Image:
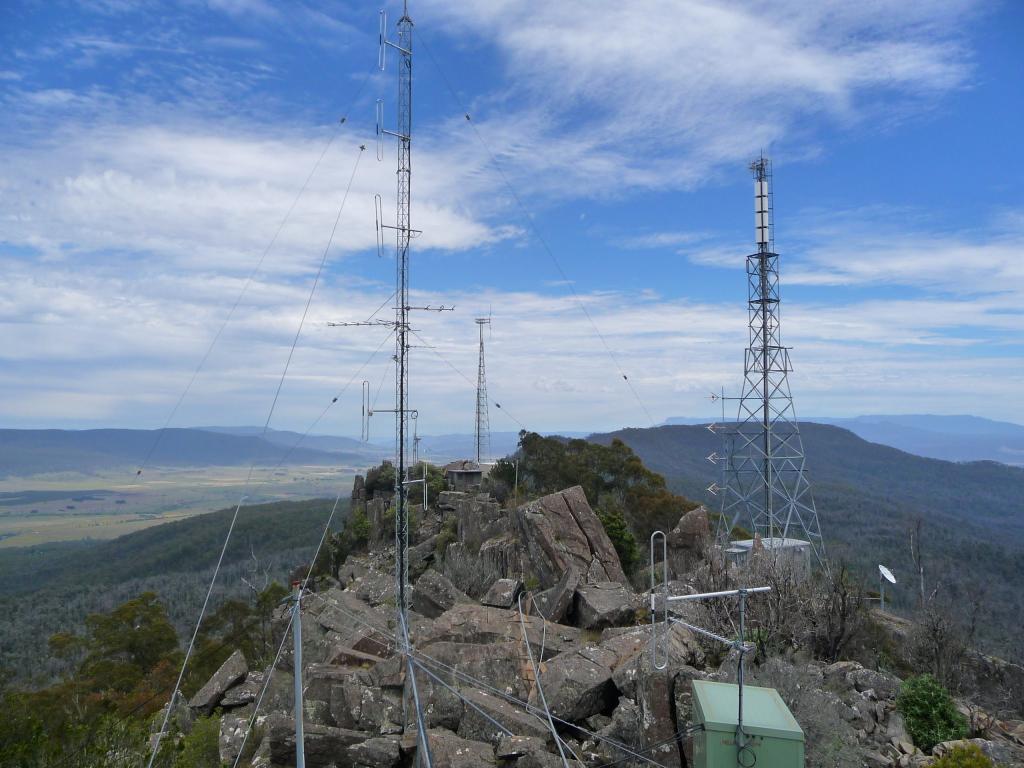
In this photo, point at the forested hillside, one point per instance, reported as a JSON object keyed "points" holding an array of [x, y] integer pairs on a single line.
{"points": [[52, 588], [869, 497]]}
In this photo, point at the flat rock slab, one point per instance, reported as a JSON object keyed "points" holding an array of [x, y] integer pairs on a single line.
{"points": [[230, 673], [503, 593], [479, 624]]}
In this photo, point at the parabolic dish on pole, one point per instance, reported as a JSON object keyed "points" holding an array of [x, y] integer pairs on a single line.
{"points": [[886, 574]]}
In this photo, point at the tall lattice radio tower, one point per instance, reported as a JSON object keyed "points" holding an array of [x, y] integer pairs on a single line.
{"points": [[483, 424], [764, 485]]}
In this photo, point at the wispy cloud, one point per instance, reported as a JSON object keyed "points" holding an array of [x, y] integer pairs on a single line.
{"points": [[658, 95]]}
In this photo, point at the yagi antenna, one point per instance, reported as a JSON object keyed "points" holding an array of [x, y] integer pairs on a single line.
{"points": [[659, 646]]}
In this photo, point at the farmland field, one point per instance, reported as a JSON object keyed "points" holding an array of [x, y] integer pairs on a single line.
{"points": [[103, 505]]}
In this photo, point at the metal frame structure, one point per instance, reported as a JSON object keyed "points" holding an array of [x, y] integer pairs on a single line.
{"points": [[739, 644], [483, 424], [764, 482]]}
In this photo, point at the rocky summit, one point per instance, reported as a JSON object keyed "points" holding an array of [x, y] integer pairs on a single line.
{"points": [[512, 608]]}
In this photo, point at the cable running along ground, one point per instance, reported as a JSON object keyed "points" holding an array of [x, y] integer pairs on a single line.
{"points": [[536, 232]]}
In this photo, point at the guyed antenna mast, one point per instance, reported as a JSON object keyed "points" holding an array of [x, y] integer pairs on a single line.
{"points": [[483, 425], [660, 601]]}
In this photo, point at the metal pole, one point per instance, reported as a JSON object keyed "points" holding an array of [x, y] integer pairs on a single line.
{"points": [[300, 744], [881, 584], [741, 739]]}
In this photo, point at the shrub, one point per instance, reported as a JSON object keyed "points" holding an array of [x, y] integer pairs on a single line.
{"points": [[966, 756], [622, 538], [929, 712]]}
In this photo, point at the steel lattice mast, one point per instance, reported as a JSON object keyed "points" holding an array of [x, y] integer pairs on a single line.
{"points": [[404, 235], [483, 425], [764, 480]]}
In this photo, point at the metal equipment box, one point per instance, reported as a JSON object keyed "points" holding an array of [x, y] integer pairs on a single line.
{"points": [[774, 738]]}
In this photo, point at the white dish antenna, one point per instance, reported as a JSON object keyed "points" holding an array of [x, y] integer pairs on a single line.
{"points": [[886, 574]]}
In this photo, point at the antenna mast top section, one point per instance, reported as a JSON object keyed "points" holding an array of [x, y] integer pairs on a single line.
{"points": [[762, 170]]}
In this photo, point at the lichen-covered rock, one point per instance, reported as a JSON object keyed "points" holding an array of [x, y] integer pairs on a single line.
{"points": [[244, 692], [555, 602], [323, 744], [433, 594], [688, 541], [503, 593], [379, 752], [476, 727], [232, 732], [231, 672], [527, 752], [578, 684], [605, 604], [471, 623], [452, 751], [560, 530]]}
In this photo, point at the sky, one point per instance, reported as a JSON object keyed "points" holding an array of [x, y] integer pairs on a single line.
{"points": [[171, 174]]}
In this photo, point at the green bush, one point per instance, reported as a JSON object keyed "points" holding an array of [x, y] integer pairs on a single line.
{"points": [[622, 538], [199, 749], [968, 756], [929, 712]]}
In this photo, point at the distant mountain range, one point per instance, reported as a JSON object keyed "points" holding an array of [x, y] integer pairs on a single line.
{"points": [[953, 438], [29, 452], [868, 497], [38, 451]]}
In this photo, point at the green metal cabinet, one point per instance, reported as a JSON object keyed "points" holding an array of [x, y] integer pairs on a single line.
{"points": [[775, 739]]}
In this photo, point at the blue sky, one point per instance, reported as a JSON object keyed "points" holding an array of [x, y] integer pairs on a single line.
{"points": [[149, 150]]}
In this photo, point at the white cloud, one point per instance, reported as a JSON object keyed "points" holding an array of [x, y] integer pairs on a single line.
{"points": [[658, 94]]}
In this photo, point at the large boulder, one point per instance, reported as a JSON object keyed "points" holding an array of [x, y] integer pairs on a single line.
{"points": [[231, 672], [453, 751], [378, 752], [475, 726], [688, 541], [578, 684], [503, 593], [478, 519], [555, 602], [526, 752], [605, 604], [323, 744], [561, 530], [433, 594], [499, 665]]}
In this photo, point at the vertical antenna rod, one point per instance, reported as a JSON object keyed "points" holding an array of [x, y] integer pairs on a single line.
{"points": [[483, 426], [300, 740]]}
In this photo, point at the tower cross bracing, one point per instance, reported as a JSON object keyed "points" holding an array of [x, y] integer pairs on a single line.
{"points": [[765, 488], [482, 431]]}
